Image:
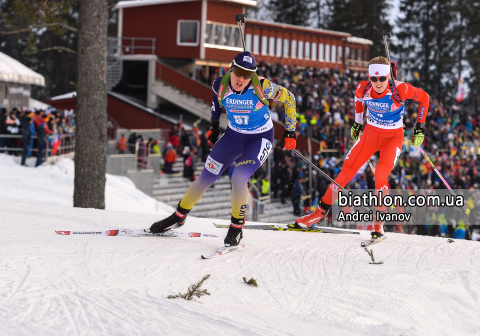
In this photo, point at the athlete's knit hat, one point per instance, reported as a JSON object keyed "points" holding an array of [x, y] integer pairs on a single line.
{"points": [[246, 61]]}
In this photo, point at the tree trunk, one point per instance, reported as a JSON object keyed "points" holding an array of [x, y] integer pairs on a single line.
{"points": [[91, 114]]}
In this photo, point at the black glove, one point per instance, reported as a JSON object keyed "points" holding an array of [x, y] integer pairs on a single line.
{"points": [[213, 132], [289, 140]]}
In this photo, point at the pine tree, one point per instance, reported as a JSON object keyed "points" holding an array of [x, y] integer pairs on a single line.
{"points": [[91, 114], [295, 12], [359, 17], [470, 14], [428, 46], [42, 34]]}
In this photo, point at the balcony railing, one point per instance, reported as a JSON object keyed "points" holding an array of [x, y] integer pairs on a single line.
{"points": [[137, 45]]}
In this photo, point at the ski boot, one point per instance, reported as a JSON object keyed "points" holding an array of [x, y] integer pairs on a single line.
{"points": [[311, 219], [176, 220], [378, 231], [234, 234]]}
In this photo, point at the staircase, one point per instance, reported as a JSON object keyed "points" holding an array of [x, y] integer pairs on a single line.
{"points": [[216, 202], [182, 99], [114, 62]]}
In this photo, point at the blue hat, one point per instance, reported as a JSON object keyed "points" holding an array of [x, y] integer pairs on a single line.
{"points": [[246, 61]]}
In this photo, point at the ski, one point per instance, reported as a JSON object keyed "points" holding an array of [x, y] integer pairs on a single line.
{"points": [[140, 233], [224, 250], [372, 241], [285, 227]]}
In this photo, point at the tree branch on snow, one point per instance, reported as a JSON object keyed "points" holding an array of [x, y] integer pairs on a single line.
{"points": [[193, 290], [370, 253]]}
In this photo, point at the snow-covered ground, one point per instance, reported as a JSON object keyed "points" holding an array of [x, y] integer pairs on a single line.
{"points": [[309, 283], [53, 185]]}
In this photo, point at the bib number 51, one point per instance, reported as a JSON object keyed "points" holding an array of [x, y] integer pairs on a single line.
{"points": [[241, 120]]}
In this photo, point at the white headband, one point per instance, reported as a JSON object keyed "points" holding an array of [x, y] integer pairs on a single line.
{"points": [[375, 70]]}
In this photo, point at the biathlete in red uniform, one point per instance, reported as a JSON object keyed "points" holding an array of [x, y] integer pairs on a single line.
{"points": [[382, 99]]}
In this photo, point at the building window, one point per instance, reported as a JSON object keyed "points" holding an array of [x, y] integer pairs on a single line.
{"points": [[248, 42], [187, 34], [334, 53], [321, 55], [286, 48], [353, 54], [314, 51], [327, 52], [359, 54], [271, 46], [300, 49], [307, 50], [279, 47], [347, 53], [220, 34], [339, 59], [256, 44], [294, 48], [264, 45]]}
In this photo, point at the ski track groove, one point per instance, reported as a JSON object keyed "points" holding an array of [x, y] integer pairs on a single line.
{"points": [[69, 315], [288, 257], [20, 285]]}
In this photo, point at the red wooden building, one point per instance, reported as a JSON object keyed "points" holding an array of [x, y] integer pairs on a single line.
{"points": [[162, 44]]}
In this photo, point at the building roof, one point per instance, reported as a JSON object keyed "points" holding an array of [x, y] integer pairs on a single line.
{"points": [[138, 3], [69, 95], [290, 26], [359, 40], [12, 71]]}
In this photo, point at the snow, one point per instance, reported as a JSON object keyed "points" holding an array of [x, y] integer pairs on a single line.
{"points": [[53, 185], [309, 283]]}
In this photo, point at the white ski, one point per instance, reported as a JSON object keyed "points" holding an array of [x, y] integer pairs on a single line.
{"points": [[140, 233], [372, 241], [286, 227], [224, 250]]}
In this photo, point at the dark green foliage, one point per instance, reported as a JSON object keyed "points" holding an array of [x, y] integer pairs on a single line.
{"points": [[251, 282], [370, 253], [430, 44], [193, 291], [470, 14], [295, 12], [358, 17], [43, 35]]}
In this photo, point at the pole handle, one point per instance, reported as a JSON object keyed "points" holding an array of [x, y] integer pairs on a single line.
{"points": [[240, 17]]}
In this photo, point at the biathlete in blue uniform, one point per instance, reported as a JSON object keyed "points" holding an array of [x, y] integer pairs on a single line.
{"points": [[249, 137]]}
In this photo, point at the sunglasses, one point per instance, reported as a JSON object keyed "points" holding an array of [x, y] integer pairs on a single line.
{"points": [[381, 79], [239, 72]]}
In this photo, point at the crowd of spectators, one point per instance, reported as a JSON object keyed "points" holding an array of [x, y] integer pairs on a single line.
{"points": [[29, 131], [325, 112]]}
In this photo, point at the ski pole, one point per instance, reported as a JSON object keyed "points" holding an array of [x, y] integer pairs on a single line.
{"points": [[324, 174], [240, 18], [385, 34], [371, 166], [467, 210]]}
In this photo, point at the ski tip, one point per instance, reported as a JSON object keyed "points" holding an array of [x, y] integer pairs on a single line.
{"points": [[63, 233]]}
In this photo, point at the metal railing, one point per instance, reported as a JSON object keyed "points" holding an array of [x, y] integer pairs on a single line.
{"points": [[66, 144], [136, 45], [258, 206]]}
